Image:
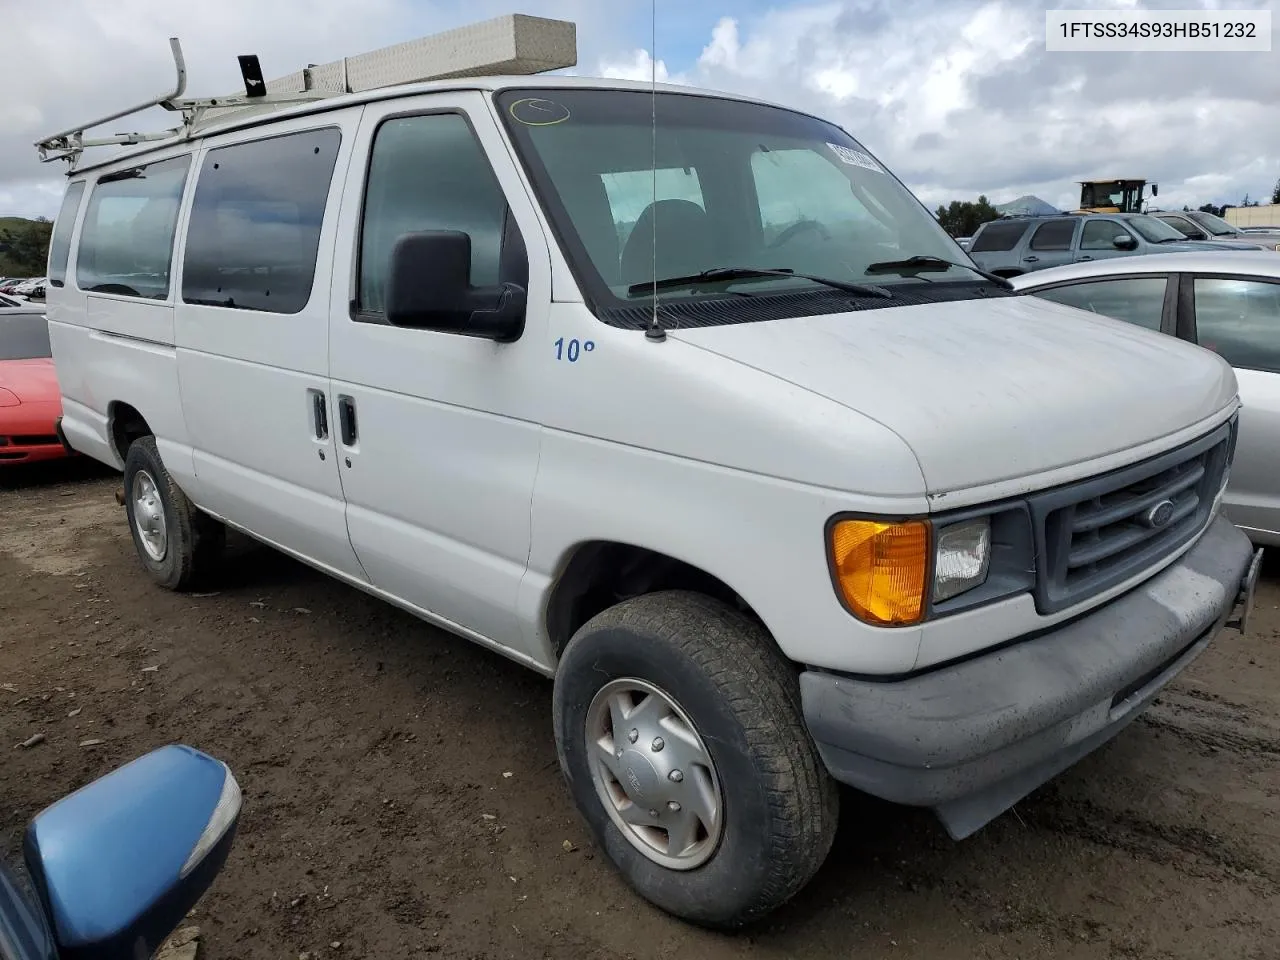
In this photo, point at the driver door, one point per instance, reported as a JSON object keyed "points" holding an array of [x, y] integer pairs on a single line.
{"points": [[436, 449]]}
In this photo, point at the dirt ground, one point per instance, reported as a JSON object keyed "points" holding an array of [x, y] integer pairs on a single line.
{"points": [[402, 797]]}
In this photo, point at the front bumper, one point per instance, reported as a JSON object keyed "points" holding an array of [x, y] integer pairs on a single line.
{"points": [[972, 739]]}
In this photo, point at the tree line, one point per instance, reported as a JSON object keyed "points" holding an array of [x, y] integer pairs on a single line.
{"points": [[24, 246]]}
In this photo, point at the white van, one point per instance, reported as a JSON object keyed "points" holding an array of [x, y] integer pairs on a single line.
{"points": [[674, 397]]}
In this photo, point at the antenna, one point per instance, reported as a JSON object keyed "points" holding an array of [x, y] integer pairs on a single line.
{"points": [[654, 331]]}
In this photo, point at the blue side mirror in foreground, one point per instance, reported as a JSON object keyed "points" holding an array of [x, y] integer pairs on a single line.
{"points": [[118, 864]]}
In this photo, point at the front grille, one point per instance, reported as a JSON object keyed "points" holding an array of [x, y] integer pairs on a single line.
{"points": [[1102, 531]]}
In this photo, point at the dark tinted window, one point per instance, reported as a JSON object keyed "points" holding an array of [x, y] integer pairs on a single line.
{"points": [[1240, 320], [1101, 234], [1182, 225], [997, 236], [24, 336], [1136, 300], [255, 222], [126, 243], [1054, 235], [428, 173], [60, 242]]}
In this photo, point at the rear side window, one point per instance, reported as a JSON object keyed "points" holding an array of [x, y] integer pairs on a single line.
{"points": [[1136, 300], [60, 242], [255, 222], [997, 237], [126, 243], [1237, 320], [1054, 235]]}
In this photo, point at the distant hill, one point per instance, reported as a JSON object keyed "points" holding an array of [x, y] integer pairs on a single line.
{"points": [[1027, 206], [24, 246]]}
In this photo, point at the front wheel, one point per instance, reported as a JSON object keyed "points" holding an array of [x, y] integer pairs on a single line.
{"points": [[679, 732]]}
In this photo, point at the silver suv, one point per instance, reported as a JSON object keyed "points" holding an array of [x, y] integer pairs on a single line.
{"points": [[1015, 245], [1199, 225]]}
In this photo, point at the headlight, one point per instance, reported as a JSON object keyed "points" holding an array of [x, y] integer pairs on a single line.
{"points": [[898, 573], [962, 558]]}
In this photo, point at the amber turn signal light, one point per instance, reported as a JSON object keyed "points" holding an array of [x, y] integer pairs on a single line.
{"points": [[881, 569]]}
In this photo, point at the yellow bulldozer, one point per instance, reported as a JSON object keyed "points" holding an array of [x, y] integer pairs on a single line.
{"points": [[1113, 196]]}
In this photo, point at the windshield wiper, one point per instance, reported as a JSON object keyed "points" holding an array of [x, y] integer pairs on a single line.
{"points": [[919, 263], [721, 274]]}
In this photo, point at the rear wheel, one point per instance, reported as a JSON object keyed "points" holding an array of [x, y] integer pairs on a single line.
{"points": [[679, 732], [177, 543]]}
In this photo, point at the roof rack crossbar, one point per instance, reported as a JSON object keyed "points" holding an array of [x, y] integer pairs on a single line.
{"points": [[69, 144], [515, 44]]}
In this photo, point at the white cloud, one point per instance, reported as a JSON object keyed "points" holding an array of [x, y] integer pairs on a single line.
{"points": [[958, 97]]}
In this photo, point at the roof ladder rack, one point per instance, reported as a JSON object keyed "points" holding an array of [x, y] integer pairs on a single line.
{"points": [[515, 44]]}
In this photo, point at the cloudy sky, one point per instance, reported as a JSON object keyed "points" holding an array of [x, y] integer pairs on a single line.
{"points": [[958, 97]]}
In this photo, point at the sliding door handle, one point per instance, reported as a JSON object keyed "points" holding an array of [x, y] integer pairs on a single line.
{"points": [[347, 421], [320, 414]]}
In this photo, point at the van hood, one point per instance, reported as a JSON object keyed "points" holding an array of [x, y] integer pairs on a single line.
{"points": [[989, 390]]}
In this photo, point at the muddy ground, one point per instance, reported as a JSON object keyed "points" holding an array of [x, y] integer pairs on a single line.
{"points": [[402, 797]]}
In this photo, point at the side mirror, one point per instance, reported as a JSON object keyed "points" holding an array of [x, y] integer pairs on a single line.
{"points": [[118, 864], [1123, 241], [430, 289], [1197, 235], [1155, 189]]}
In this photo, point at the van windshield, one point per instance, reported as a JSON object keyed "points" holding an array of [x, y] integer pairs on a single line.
{"points": [[24, 337], [733, 185]]}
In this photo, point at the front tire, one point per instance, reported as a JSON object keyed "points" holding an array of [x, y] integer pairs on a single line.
{"points": [[177, 543], [679, 731]]}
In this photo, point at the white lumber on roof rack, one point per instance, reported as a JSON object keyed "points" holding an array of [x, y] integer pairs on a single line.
{"points": [[512, 45]]}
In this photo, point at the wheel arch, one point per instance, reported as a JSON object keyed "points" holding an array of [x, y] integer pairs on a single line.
{"points": [[598, 574]]}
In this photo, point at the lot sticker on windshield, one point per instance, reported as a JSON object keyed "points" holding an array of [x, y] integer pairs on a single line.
{"points": [[855, 158], [536, 112]]}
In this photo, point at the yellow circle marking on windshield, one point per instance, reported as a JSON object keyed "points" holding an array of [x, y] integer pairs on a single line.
{"points": [[552, 112]]}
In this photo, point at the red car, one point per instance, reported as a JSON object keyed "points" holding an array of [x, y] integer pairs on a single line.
{"points": [[30, 402]]}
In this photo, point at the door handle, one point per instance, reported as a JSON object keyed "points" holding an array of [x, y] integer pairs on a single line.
{"points": [[1030, 259], [1080, 259], [347, 421], [320, 414]]}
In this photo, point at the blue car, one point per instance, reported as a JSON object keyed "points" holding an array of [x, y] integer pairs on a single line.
{"points": [[118, 864]]}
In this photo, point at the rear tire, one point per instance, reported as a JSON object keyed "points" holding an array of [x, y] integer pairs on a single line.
{"points": [[678, 681], [177, 543]]}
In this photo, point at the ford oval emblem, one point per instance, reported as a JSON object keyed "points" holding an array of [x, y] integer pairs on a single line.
{"points": [[1159, 515]]}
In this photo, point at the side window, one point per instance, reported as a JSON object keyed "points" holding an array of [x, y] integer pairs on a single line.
{"points": [[1054, 235], [255, 222], [631, 191], [1182, 225], [60, 242], [1237, 320], [126, 243], [998, 237], [1136, 300], [1101, 234], [429, 173]]}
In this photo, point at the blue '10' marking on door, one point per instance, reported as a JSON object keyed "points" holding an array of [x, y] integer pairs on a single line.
{"points": [[570, 350]]}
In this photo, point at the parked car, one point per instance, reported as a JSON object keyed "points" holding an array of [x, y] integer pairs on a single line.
{"points": [[1199, 225], [113, 868], [1229, 303], [1015, 245], [30, 402], [32, 289], [776, 508], [8, 286]]}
